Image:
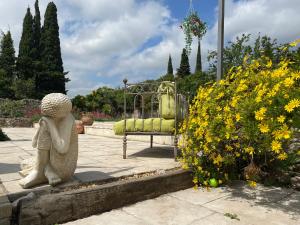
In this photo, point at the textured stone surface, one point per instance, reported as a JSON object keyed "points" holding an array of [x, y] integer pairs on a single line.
{"points": [[99, 158], [208, 207], [94, 199], [56, 141], [15, 122], [5, 207]]}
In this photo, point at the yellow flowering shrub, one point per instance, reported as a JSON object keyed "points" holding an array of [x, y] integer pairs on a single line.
{"points": [[248, 118]]}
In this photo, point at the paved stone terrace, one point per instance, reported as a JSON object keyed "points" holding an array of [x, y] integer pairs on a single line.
{"points": [[99, 158], [259, 206]]}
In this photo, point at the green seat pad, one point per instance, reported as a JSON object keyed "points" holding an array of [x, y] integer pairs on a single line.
{"points": [[168, 126], [148, 125], [145, 125], [139, 125]]}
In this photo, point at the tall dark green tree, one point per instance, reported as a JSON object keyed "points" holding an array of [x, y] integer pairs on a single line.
{"points": [[36, 31], [53, 79], [7, 66], [184, 69], [170, 66], [198, 60], [24, 86], [24, 61]]}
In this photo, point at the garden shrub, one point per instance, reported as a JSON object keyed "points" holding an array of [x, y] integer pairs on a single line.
{"points": [[3, 136], [241, 126]]}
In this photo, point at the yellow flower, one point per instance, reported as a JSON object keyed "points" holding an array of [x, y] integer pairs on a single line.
{"points": [[288, 82], [218, 160], [242, 87], [269, 64], [234, 101], [286, 134], [227, 135], [249, 150], [229, 123], [204, 123], [226, 108], [282, 156], [228, 148], [220, 95], [195, 180], [292, 105], [264, 128], [277, 135], [276, 146], [219, 116], [238, 117], [260, 114], [219, 108], [185, 166], [295, 43], [286, 96], [281, 119], [252, 183]]}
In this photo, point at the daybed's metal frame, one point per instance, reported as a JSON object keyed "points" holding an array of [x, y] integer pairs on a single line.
{"points": [[141, 91]]}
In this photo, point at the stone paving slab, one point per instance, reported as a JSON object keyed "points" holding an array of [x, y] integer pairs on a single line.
{"points": [[99, 158], [207, 207]]}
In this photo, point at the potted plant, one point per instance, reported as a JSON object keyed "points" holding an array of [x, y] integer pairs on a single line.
{"points": [[87, 119], [192, 26]]}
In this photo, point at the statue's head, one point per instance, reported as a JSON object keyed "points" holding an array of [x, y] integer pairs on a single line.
{"points": [[56, 105]]}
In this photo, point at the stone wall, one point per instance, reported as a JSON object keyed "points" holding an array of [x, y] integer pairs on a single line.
{"points": [[15, 122]]}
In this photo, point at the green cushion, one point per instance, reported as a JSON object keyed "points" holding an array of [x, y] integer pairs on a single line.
{"points": [[168, 126], [139, 125], [150, 125], [167, 106], [119, 127], [166, 91], [130, 124], [156, 124]]}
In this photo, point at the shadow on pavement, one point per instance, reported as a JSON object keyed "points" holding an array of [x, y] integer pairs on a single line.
{"points": [[284, 199], [9, 168]]}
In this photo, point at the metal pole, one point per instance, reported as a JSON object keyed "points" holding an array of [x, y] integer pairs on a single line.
{"points": [[220, 40]]}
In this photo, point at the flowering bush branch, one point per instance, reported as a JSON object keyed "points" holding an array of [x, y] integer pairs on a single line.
{"points": [[242, 125]]}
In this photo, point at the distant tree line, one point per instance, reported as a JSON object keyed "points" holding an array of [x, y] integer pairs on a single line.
{"points": [[110, 100], [38, 69]]}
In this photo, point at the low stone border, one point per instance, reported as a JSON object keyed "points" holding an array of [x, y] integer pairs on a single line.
{"points": [[85, 200], [15, 122]]}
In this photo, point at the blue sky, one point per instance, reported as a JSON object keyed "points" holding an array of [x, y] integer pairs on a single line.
{"points": [[104, 41]]}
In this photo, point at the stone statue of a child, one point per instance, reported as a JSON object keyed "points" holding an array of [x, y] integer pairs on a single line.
{"points": [[56, 141]]}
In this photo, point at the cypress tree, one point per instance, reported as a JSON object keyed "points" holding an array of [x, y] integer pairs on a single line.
{"points": [[24, 86], [24, 61], [170, 66], [53, 80], [198, 60], [36, 31], [184, 69], [7, 66]]}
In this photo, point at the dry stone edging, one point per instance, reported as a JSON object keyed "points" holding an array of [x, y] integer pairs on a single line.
{"points": [[60, 207], [5, 207]]}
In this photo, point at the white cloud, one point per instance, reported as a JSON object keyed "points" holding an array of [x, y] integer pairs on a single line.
{"points": [[103, 40]]}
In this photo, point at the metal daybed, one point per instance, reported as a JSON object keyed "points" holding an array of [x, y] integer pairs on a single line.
{"points": [[167, 109]]}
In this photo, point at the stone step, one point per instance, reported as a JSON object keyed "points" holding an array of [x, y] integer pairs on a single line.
{"points": [[105, 129]]}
